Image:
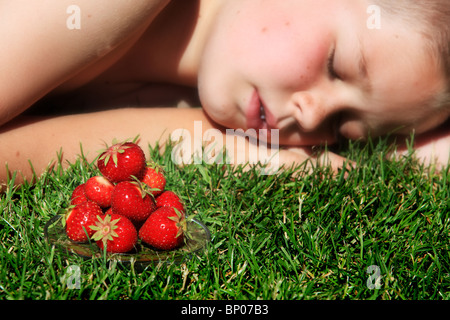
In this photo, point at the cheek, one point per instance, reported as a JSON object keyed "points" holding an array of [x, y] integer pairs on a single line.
{"points": [[280, 57], [272, 46]]}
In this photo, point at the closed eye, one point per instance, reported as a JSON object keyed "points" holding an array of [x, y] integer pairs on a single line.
{"points": [[331, 70]]}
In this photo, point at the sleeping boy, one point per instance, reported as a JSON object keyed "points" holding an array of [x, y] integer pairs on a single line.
{"points": [[313, 72]]}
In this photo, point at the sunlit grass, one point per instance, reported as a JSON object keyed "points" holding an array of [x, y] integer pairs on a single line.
{"points": [[273, 237]]}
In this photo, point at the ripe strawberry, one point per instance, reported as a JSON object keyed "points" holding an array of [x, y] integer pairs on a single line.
{"points": [[115, 233], [170, 199], [154, 178], [121, 161], [131, 201], [99, 190], [78, 220], [164, 229], [78, 196]]}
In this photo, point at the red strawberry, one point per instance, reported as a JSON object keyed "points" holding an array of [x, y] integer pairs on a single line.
{"points": [[115, 233], [78, 196], [78, 220], [121, 161], [164, 229], [99, 190], [170, 199], [154, 178], [131, 201]]}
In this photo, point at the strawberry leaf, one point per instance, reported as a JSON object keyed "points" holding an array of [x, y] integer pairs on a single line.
{"points": [[107, 158]]}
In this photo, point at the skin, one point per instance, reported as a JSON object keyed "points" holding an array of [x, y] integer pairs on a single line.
{"points": [[226, 50], [282, 51]]}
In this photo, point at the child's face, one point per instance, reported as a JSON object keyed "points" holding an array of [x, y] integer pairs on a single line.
{"points": [[302, 61]]}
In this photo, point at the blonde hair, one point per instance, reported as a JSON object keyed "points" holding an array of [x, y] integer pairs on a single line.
{"points": [[431, 18]]}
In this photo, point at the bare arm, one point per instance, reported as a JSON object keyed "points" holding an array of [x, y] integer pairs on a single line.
{"points": [[40, 52], [432, 148], [38, 140]]}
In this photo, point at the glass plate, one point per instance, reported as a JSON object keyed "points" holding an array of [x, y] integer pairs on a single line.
{"points": [[55, 234]]}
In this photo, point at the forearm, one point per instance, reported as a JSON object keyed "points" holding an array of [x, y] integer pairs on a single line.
{"points": [[436, 152], [431, 148], [38, 140], [31, 145]]}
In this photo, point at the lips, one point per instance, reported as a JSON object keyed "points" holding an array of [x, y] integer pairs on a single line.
{"points": [[258, 116]]}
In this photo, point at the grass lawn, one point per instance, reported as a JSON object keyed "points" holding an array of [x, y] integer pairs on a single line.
{"points": [[273, 237]]}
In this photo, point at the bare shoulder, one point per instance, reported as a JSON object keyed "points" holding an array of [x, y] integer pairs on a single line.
{"points": [[49, 42]]}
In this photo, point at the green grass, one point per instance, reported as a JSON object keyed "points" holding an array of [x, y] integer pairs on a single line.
{"points": [[273, 237]]}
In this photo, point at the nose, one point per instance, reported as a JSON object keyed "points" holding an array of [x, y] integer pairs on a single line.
{"points": [[312, 111]]}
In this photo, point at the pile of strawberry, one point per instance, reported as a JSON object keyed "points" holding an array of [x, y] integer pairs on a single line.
{"points": [[127, 202]]}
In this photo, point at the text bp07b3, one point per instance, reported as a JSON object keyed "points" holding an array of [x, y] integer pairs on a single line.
{"points": [[247, 309]]}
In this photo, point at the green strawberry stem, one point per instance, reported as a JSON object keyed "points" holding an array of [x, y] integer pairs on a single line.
{"points": [[105, 229]]}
